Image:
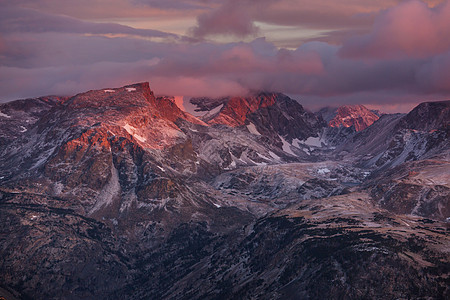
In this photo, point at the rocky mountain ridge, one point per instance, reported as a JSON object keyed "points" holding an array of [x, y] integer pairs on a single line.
{"points": [[118, 193], [357, 116]]}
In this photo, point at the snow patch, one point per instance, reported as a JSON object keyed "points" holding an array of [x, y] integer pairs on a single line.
{"points": [[161, 168], [58, 188], [252, 129], [262, 156], [405, 223], [22, 129], [323, 171], [109, 91], [313, 141], [217, 205], [140, 138], [109, 191], [259, 164], [296, 143], [274, 155], [130, 89], [4, 115], [131, 130], [43, 158], [287, 147], [233, 163], [33, 217], [127, 201], [213, 111], [192, 108]]}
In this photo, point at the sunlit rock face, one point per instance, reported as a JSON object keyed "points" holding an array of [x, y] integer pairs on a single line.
{"points": [[269, 113], [116, 192], [357, 116]]}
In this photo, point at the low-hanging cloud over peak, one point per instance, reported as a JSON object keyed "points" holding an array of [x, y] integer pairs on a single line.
{"points": [[43, 53]]}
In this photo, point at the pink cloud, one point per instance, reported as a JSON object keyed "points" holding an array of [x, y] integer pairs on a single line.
{"points": [[410, 29], [238, 17], [435, 75], [104, 9], [23, 20], [63, 57], [196, 86], [232, 18]]}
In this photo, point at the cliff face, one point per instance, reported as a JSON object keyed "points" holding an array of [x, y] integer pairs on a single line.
{"points": [[353, 115], [271, 114]]}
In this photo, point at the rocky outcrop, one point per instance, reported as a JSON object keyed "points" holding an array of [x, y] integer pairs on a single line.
{"points": [[271, 114], [357, 116]]}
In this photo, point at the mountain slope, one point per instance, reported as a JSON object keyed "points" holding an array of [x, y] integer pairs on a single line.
{"points": [[19, 116], [393, 139], [340, 247], [118, 193], [115, 153], [428, 116], [420, 188]]}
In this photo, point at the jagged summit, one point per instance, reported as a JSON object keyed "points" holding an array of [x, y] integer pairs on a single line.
{"points": [[349, 115], [233, 110], [236, 110], [268, 113], [135, 102]]}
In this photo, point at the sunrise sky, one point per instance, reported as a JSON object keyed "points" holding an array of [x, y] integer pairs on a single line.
{"points": [[387, 54]]}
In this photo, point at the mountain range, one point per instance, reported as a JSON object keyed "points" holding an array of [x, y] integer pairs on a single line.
{"points": [[120, 193]]}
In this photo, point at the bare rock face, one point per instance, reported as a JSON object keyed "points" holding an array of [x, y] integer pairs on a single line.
{"points": [[271, 114], [118, 193], [351, 115]]}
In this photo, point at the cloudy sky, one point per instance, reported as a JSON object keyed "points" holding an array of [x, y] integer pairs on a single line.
{"points": [[389, 54]]}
